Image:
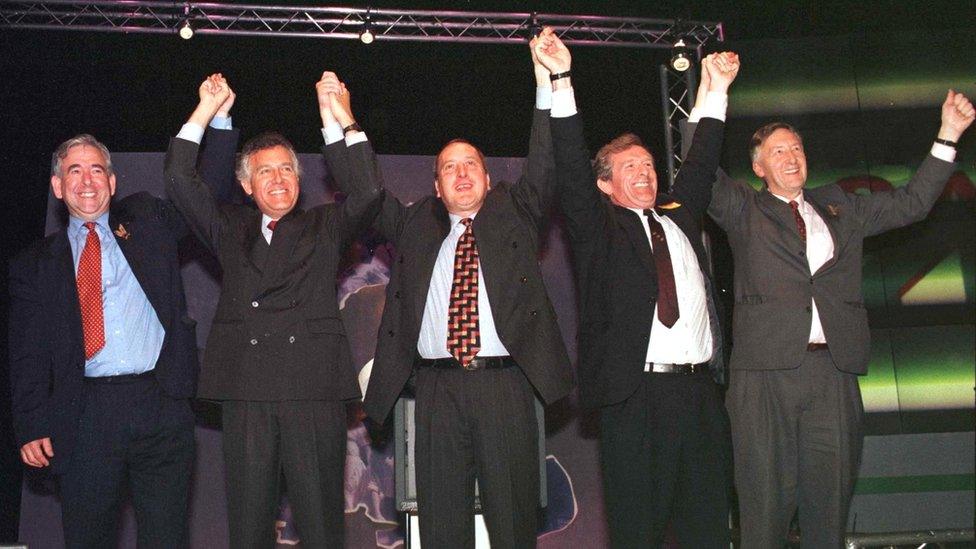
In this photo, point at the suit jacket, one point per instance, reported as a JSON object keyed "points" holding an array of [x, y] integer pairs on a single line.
{"points": [[276, 334], [508, 229], [614, 267], [47, 356], [773, 285]]}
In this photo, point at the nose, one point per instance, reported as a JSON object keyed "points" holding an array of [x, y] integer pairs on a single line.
{"points": [[462, 170]]}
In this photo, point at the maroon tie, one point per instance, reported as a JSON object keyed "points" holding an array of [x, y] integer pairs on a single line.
{"points": [[89, 283], [667, 295], [800, 225], [463, 338], [272, 224]]}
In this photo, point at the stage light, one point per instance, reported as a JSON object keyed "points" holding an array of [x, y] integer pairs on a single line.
{"points": [[186, 31], [366, 35], [534, 27], [680, 56]]}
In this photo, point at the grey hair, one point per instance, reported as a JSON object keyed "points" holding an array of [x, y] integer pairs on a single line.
{"points": [[764, 132], [82, 139], [264, 141]]}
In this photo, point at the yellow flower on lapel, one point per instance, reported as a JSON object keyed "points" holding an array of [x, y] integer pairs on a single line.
{"points": [[121, 232], [833, 210], [670, 205]]}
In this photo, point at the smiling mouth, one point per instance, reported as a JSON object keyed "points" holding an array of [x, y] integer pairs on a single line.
{"points": [[463, 187], [278, 191], [87, 195]]}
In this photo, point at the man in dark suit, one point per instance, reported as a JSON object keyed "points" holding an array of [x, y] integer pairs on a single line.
{"points": [[649, 334], [103, 362], [800, 330], [468, 316], [277, 356]]}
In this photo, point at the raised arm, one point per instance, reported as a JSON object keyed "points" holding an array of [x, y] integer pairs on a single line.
{"points": [[185, 187], [351, 160], [693, 184], [884, 211]]}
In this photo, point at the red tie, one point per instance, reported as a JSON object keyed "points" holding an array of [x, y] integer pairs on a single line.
{"points": [[89, 284], [272, 224], [800, 225], [463, 338], [667, 293]]}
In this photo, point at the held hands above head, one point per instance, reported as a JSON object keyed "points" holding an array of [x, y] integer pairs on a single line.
{"points": [[335, 101], [36, 452], [549, 51], [957, 115], [215, 96]]}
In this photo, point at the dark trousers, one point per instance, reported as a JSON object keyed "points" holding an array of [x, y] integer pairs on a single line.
{"points": [[665, 457], [129, 434], [797, 438], [305, 441], [476, 425]]}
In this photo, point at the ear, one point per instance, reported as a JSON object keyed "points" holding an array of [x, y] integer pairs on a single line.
{"points": [[605, 185], [488, 180], [246, 185], [111, 185], [758, 170], [437, 190], [56, 187]]}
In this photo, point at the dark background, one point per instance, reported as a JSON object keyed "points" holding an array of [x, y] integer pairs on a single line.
{"points": [[134, 91]]}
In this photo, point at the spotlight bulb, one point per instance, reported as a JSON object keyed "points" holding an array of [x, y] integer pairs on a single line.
{"points": [[186, 31]]}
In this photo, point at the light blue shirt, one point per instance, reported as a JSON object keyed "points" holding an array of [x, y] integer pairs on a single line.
{"points": [[133, 334]]}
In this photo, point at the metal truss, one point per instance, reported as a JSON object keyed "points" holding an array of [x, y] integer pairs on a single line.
{"points": [[338, 22], [214, 18]]}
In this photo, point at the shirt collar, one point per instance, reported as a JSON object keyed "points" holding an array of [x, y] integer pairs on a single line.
{"points": [[455, 219], [76, 225], [640, 212], [800, 202]]}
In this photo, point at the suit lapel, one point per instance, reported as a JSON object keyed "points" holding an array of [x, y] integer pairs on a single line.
{"points": [[132, 244], [634, 228], [286, 234], [780, 212], [63, 273], [255, 247]]}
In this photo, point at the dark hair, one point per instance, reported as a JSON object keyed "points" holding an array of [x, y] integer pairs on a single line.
{"points": [[764, 132], [481, 155], [602, 165], [260, 142]]}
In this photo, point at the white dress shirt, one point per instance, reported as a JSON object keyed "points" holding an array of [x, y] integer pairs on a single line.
{"points": [[689, 341]]}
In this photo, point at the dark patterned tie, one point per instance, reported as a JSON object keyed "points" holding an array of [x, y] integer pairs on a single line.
{"points": [[667, 294], [800, 225], [463, 337], [89, 283]]}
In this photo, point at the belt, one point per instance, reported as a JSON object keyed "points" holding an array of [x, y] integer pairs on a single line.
{"points": [[125, 378], [478, 363], [687, 369], [811, 347]]}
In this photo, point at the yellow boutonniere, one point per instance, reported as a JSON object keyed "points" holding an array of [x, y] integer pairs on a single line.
{"points": [[121, 232]]}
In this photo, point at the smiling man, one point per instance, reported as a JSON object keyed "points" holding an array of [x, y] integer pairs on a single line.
{"points": [[801, 329], [650, 346], [467, 315], [277, 358], [103, 357]]}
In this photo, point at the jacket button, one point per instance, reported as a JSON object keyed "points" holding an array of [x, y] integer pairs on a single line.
{"points": [[390, 333], [515, 244], [803, 253], [254, 304], [524, 279], [291, 339], [400, 259], [396, 294], [809, 309], [811, 280], [533, 313], [254, 342]]}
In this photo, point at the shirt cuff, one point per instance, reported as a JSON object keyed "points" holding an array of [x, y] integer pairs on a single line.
{"points": [[355, 137], [543, 99], [943, 152], [714, 106], [332, 132], [563, 103], [222, 123], [191, 132]]}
